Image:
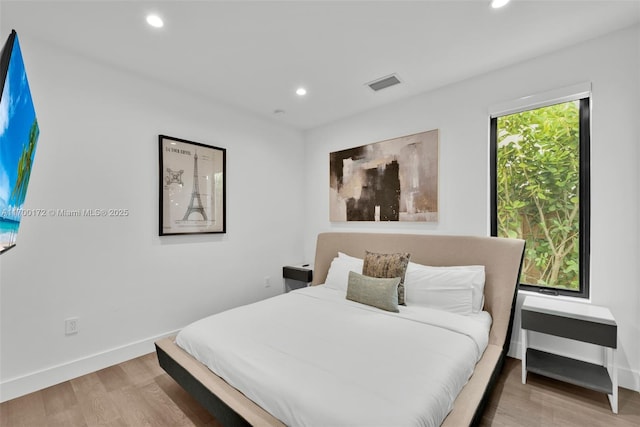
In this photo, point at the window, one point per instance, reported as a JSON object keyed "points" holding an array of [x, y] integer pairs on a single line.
{"points": [[540, 192]]}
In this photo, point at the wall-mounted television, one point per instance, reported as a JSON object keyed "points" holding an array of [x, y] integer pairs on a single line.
{"points": [[18, 139]]}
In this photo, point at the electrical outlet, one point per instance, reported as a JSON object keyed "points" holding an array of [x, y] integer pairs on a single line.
{"points": [[71, 326], [267, 281]]}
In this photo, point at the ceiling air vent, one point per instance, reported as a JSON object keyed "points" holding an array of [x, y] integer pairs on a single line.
{"points": [[384, 82]]}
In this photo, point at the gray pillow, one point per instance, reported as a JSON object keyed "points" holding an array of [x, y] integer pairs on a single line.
{"points": [[376, 292], [387, 266]]}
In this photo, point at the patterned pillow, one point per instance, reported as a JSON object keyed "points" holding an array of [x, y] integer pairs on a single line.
{"points": [[380, 293], [387, 266]]}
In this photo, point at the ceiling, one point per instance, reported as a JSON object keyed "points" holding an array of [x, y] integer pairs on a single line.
{"points": [[253, 55]]}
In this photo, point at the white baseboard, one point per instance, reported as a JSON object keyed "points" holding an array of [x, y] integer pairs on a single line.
{"points": [[25, 384], [627, 378]]}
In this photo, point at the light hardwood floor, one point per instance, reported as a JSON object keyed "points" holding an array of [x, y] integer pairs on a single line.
{"points": [[138, 393], [546, 402]]}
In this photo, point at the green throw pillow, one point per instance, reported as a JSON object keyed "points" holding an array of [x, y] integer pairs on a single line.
{"points": [[376, 292]]}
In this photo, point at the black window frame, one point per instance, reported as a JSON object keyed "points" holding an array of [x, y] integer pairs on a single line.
{"points": [[584, 191]]}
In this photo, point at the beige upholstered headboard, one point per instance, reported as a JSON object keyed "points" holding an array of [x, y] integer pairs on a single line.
{"points": [[501, 257]]}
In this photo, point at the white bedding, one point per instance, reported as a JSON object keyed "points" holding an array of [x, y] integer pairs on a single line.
{"points": [[313, 358]]}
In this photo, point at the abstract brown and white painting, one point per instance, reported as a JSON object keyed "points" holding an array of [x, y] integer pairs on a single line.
{"points": [[392, 180]]}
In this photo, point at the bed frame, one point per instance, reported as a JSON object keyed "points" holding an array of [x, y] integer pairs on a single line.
{"points": [[502, 259]]}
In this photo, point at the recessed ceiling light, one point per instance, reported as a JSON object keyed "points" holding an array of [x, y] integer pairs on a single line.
{"points": [[301, 91], [155, 21], [498, 3]]}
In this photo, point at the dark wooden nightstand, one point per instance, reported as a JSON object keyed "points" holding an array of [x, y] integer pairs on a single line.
{"points": [[297, 276], [582, 322]]}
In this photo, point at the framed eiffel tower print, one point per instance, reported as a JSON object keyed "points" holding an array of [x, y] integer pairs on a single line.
{"points": [[192, 187]]}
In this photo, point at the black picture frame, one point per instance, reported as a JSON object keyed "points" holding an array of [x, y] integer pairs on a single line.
{"points": [[192, 184]]}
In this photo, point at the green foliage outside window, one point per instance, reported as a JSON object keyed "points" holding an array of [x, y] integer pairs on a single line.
{"points": [[538, 191]]}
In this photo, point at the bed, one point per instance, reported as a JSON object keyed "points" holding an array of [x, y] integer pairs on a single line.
{"points": [[501, 260]]}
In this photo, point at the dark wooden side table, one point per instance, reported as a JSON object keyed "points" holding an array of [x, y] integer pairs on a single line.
{"points": [[297, 276]]}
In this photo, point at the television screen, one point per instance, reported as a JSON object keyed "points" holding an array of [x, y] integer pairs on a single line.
{"points": [[18, 138]]}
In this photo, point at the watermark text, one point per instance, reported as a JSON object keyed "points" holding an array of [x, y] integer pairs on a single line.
{"points": [[51, 212]]}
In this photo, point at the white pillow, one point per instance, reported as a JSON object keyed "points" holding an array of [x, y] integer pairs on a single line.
{"points": [[338, 274], [452, 299], [349, 257], [420, 277]]}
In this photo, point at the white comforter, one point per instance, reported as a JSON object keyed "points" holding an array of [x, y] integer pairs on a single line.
{"points": [[313, 358]]}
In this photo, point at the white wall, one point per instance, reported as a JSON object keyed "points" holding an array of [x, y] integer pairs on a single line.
{"points": [[460, 111], [98, 149]]}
